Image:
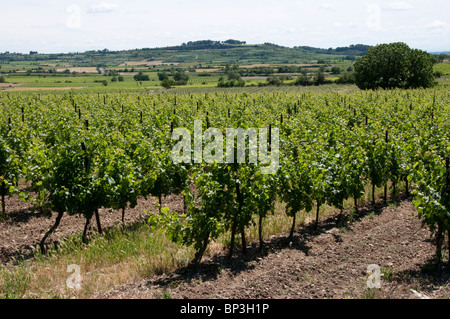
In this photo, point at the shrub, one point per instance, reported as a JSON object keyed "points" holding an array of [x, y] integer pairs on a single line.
{"points": [[346, 78]]}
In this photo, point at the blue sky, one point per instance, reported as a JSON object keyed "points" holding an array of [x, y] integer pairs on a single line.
{"points": [[75, 26]]}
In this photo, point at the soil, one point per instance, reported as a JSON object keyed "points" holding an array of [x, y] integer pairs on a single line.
{"points": [[57, 88], [328, 262], [9, 85], [206, 70], [146, 63], [79, 70], [25, 227]]}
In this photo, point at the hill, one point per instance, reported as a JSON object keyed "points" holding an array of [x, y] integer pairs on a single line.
{"points": [[204, 52]]}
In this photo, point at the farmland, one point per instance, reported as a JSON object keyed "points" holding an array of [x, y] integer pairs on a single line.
{"points": [[224, 159], [93, 175], [97, 167], [203, 62]]}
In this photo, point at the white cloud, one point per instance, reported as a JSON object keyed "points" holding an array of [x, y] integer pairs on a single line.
{"points": [[290, 31], [321, 23], [327, 6], [168, 35], [399, 6], [103, 7], [436, 24]]}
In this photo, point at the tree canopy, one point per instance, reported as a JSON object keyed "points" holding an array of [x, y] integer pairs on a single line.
{"points": [[141, 77], [394, 65]]}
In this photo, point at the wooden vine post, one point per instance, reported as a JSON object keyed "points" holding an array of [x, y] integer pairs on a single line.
{"points": [[385, 186], [447, 190]]}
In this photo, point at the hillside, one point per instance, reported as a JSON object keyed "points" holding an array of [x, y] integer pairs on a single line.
{"points": [[206, 52]]}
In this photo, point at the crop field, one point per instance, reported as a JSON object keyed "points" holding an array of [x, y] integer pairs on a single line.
{"points": [[112, 181], [231, 159], [444, 68]]}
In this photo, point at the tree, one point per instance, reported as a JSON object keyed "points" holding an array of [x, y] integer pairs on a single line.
{"points": [[303, 80], [234, 75], [231, 41], [120, 78], [231, 83], [181, 78], [162, 76], [274, 80], [232, 71], [2, 79], [167, 83], [441, 57], [319, 78], [346, 78], [335, 70], [394, 65], [141, 77]]}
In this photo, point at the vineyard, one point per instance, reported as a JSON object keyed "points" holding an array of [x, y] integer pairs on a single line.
{"points": [[74, 154]]}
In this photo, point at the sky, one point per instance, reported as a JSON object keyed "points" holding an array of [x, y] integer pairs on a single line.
{"points": [[60, 26]]}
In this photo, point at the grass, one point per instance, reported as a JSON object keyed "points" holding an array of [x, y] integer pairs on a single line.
{"points": [[371, 215], [166, 295], [444, 68], [88, 81], [113, 259], [371, 293], [387, 273], [92, 82]]}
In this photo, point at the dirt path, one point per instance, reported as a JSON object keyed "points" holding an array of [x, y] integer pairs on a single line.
{"points": [[328, 263]]}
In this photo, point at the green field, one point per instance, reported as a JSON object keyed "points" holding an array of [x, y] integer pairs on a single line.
{"points": [[444, 68], [71, 145], [203, 61], [256, 63], [82, 151]]}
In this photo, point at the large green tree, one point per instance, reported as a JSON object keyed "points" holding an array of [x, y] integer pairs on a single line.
{"points": [[394, 65]]}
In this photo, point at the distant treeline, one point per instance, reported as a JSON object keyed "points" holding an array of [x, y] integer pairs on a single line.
{"points": [[354, 49]]}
